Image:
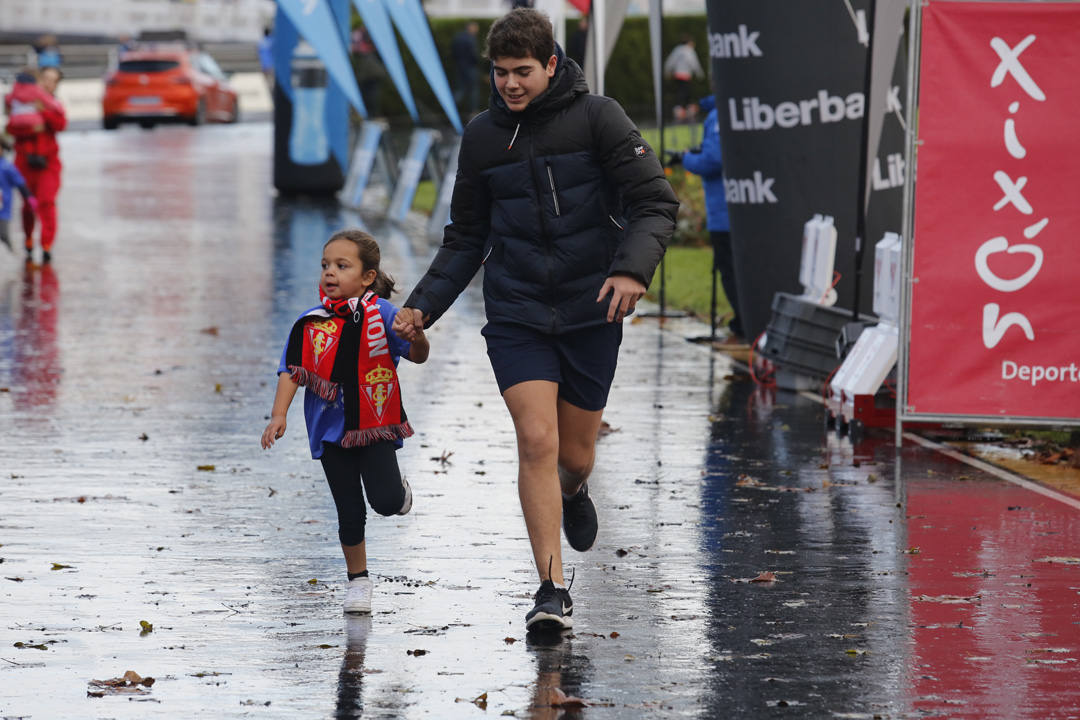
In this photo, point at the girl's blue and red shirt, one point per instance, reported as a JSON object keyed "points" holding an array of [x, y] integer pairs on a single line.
{"points": [[325, 420]]}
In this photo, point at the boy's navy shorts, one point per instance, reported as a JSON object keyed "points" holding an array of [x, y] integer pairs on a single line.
{"points": [[582, 362]]}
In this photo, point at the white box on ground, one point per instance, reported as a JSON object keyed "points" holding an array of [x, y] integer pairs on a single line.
{"points": [[887, 278], [818, 259], [866, 366]]}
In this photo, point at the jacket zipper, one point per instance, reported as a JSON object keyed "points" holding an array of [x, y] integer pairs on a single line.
{"points": [[554, 192], [544, 234]]}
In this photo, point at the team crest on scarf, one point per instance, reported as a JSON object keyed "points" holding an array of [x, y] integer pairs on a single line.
{"points": [[378, 390], [323, 336]]}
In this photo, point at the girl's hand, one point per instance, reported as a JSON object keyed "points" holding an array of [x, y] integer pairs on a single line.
{"points": [[625, 292], [407, 323], [273, 431]]}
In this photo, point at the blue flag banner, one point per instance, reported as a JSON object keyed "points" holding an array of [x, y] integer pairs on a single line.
{"points": [[440, 215], [362, 162], [377, 22], [413, 25], [412, 167], [315, 22]]}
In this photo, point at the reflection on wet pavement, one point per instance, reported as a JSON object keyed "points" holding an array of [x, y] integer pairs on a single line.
{"points": [[748, 563]]}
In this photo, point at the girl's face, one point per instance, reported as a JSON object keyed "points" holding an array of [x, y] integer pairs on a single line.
{"points": [[343, 274]]}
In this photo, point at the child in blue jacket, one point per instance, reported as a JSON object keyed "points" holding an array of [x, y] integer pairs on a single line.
{"points": [[10, 179]]}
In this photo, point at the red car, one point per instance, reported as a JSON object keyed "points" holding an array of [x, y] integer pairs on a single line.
{"points": [[167, 82]]}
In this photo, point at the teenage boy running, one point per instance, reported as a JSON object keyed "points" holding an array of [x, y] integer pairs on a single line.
{"points": [[568, 210]]}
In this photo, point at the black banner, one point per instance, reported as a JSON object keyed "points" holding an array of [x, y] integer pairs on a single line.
{"points": [[790, 89]]}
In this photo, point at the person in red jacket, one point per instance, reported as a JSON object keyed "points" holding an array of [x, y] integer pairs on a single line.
{"points": [[34, 118]]}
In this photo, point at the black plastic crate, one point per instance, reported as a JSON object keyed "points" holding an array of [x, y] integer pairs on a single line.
{"points": [[801, 336]]}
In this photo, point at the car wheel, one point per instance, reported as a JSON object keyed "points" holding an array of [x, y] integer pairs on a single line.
{"points": [[200, 114], [146, 124], [235, 111], [110, 123]]}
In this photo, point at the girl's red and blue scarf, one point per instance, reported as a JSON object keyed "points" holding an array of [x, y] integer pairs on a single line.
{"points": [[345, 349]]}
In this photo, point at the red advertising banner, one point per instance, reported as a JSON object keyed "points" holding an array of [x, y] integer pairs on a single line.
{"points": [[995, 294]]}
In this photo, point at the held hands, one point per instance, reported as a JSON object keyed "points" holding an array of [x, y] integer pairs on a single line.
{"points": [[625, 292], [32, 203], [409, 324], [274, 430]]}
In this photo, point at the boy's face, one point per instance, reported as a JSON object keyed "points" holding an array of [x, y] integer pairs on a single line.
{"points": [[519, 80]]}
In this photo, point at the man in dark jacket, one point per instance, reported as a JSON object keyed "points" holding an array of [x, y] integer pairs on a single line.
{"points": [[569, 212], [708, 162], [463, 51]]}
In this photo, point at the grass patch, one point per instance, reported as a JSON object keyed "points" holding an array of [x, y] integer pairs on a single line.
{"points": [[424, 200], [689, 282], [676, 137]]}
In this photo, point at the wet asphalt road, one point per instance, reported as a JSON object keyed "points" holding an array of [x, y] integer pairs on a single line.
{"points": [[136, 373]]}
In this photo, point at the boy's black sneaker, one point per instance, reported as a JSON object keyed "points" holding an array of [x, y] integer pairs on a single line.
{"points": [[579, 519], [552, 609]]}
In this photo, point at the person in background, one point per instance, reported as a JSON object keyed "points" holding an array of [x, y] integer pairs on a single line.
{"points": [[708, 162], [368, 68], [575, 46], [463, 50], [682, 66], [47, 52], [10, 179], [35, 116], [266, 57]]}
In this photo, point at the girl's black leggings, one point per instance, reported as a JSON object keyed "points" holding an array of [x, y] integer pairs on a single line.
{"points": [[350, 471]]}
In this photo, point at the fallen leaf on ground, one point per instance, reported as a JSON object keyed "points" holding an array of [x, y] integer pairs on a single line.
{"points": [[205, 468], [948, 599], [58, 566], [747, 481], [416, 653], [605, 429], [128, 684], [561, 699], [766, 577], [146, 628], [509, 640], [210, 330]]}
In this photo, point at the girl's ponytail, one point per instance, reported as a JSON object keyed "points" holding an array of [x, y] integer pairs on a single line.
{"points": [[383, 285]]}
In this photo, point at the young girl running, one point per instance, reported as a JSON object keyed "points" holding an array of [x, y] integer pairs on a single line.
{"points": [[345, 354]]}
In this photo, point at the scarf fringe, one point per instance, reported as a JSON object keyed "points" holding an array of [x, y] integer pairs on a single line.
{"points": [[320, 386], [367, 436]]}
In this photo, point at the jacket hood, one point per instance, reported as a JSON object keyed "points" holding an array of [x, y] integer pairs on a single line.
{"points": [[567, 83], [707, 103]]}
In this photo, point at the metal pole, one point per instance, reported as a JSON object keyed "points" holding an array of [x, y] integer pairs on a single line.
{"points": [[908, 226], [659, 14], [864, 150], [712, 302]]}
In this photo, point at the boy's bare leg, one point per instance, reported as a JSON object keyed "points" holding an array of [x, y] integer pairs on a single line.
{"points": [[355, 557], [533, 405], [577, 445]]}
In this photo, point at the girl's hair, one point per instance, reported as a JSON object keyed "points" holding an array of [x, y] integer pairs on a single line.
{"points": [[522, 32], [368, 251]]}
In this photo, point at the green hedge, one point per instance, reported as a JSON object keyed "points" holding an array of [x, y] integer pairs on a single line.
{"points": [[628, 79]]}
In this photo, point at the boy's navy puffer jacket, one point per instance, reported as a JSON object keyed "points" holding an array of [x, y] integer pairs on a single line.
{"points": [[551, 201]]}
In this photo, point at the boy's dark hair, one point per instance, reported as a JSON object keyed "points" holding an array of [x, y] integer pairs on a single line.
{"points": [[368, 251], [522, 32]]}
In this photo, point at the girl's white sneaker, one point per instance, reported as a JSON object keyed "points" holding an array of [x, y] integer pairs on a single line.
{"points": [[358, 596]]}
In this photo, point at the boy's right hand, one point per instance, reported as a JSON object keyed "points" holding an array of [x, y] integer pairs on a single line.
{"points": [[274, 430], [408, 323]]}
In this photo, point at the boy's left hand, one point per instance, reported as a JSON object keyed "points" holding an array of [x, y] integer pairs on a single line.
{"points": [[625, 292]]}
